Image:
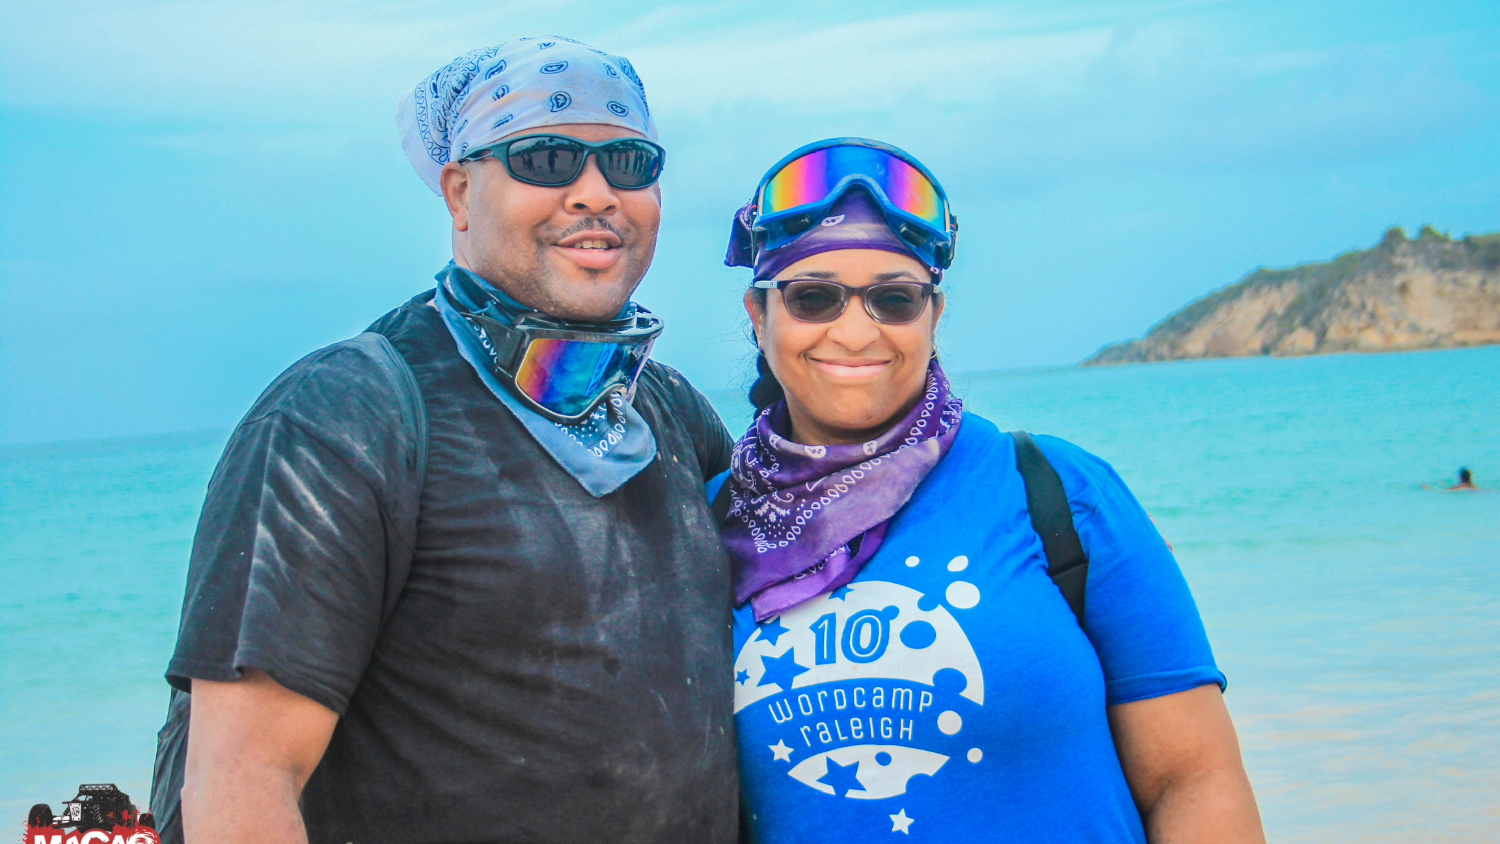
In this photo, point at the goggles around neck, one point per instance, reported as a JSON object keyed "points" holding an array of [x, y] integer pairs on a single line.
{"points": [[562, 370], [798, 192]]}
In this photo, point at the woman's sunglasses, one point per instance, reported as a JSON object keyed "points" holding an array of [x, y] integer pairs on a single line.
{"points": [[552, 161], [816, 300]]}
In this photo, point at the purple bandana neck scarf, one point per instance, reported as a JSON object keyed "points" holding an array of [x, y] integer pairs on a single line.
{"points": [[803, 519]]}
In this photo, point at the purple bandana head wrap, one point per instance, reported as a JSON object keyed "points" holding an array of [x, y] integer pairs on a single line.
{"points": [[804, 519], [854, 222]]}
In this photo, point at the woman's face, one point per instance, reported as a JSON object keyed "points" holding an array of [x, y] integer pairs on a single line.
{"points": [[847, 380]]}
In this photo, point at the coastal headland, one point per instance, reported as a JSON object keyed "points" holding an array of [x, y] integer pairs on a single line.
{"points": [[1427, 292]]}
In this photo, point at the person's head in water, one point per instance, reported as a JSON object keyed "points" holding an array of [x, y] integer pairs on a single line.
{"points": [[1465, 480], [577, 246], [845, 315]]}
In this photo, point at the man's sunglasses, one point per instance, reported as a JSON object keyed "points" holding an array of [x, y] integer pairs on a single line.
{"points": [[552, 161], [816, 300]]}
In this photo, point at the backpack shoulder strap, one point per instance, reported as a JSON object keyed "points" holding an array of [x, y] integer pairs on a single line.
{"points": [[413, 407], [1052, 519], [414, 414]]}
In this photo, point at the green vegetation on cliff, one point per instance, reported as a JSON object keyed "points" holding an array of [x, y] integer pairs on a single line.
{"points": [[1403, 293]]}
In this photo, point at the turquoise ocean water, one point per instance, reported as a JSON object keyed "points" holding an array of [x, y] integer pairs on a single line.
{"points": [[1356, 612]]}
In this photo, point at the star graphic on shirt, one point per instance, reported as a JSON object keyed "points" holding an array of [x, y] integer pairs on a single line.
{"points": [[843, 778], [840, 592], [772, 630], [742, 677], [781, 751], [901, 823], [780, 670]]}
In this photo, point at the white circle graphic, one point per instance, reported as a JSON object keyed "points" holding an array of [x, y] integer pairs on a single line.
{"points": [[950, 723], [963, 595], [911, 562], [975, 754], [958, 563]]}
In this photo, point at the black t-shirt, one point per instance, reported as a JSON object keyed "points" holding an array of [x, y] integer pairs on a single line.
{"points": [[513, 659]]}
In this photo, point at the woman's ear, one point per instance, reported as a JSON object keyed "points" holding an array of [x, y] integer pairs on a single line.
{"points": [[939, 301], [756, 308]]}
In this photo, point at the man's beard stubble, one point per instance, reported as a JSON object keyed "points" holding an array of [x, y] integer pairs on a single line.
{"points": [[536, 286]]}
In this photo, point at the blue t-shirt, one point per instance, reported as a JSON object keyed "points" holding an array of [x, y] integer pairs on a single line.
{"points": [[948, 693]]}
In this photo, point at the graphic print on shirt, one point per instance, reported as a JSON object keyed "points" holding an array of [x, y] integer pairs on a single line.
{"points": [[866, 687]]}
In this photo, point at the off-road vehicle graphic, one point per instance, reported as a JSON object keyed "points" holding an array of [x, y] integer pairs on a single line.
{"points": [[97, 806]]}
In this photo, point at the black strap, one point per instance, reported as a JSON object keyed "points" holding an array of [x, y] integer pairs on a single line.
{"points": [[721, 502], [1052, 519], [506, 341]]}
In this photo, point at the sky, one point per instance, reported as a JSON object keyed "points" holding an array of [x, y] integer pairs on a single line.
{"points": [[193, 195]]}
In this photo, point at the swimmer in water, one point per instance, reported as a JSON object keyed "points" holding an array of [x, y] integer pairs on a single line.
{"points": [[1465, 481]]}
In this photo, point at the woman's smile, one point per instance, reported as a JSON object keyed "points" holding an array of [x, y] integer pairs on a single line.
{"points": [[844, 368], [848, 377]]}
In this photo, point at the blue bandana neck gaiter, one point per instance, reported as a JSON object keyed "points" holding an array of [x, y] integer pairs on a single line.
{"points": [[602, 452]]}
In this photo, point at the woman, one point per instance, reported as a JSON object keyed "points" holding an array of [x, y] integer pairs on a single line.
{"points": [[904, 662]]}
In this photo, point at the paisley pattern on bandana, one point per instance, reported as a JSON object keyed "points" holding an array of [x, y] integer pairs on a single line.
{"points": [[440, 98], [602, 430], [601, 452], [803, 519], [529, 83]]}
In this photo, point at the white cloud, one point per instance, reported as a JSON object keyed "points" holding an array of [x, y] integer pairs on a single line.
{"points": [[324, 61], [943, 57], [1029, 89], [216, 59]]}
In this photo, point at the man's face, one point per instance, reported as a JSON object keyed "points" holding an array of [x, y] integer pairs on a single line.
{"points": [[576, 252]]}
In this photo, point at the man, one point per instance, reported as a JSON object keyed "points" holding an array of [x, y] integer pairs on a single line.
{"points": [[1465, 481], [455, 580]]}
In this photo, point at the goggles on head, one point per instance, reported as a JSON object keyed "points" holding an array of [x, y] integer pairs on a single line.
{"points": [[562, 369], [799, 191]]}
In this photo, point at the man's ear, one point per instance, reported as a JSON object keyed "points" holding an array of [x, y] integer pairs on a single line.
{"points": [[456, 185]]}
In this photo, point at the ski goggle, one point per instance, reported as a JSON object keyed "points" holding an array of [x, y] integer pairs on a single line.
{"points": [[887, 302], [552, 161], [797, 193], [562, 369]]}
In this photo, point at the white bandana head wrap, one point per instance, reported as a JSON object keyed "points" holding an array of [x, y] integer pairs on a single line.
{"points": [[485, 95]]}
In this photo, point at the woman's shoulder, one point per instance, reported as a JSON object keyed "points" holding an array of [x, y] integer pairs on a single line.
{"points": [[981, 431], [1091, 482], [1083, 473], [1068, 455]]}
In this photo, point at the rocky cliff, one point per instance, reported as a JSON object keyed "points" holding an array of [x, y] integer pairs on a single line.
{"points": [[1430, 292]]}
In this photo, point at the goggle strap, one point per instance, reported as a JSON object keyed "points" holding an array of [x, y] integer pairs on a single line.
{"points": [[508, 342]]}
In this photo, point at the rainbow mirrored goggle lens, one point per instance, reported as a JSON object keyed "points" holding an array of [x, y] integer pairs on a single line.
{"points": [[568, 378], [563, 370], [813, 179]]}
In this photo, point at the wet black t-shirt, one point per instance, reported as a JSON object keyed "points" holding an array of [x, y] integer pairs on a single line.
{"points": [[512, 659]]}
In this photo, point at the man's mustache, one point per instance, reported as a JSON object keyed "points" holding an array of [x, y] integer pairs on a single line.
{"points": [[589, 223]]}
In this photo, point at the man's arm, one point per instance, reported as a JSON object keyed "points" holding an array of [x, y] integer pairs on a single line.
{"points": [[1182, 760], [252, 744]]}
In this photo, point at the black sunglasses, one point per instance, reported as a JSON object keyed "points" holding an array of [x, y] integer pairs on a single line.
{"points": [[552, 161], [888, 303]]}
